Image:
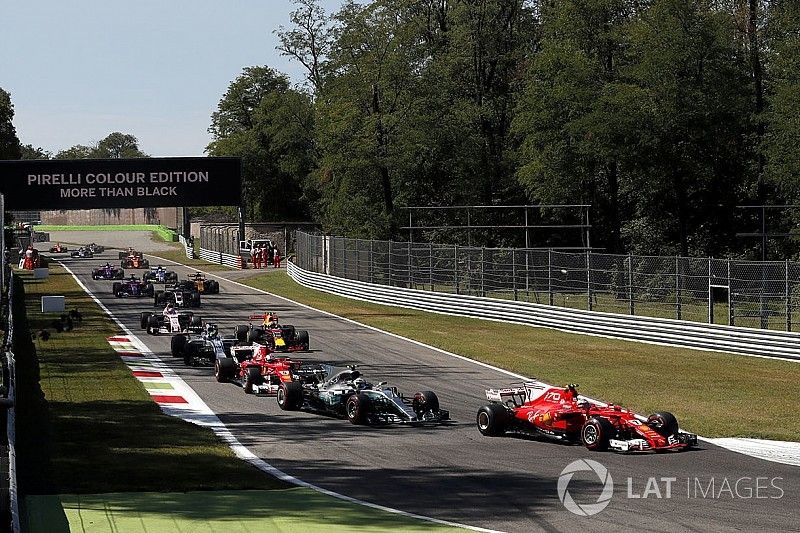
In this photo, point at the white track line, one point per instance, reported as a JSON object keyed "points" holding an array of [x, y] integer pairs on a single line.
{"points": [[210, 419]]}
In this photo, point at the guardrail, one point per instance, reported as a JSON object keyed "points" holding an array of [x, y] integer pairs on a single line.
{"points": [[189, 247], [747, 341], [9, 402], [212, 256]]}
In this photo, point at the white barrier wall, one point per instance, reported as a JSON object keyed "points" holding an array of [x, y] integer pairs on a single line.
{"points": [[764, 343]]}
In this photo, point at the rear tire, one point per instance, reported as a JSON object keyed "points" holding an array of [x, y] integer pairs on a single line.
{"points": [[254, 335], [493, 420], [149, 290], [425, 401], [241, 332], [302, 338], [663, 423], [290, 396], [596, 433], [152, 325], [144, 318], [115, 288], [357, 408], [195, 322], [223, 370]]}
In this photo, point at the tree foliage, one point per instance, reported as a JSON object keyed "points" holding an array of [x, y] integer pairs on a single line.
{"points": [[10, 147], [663, 115], [114, 146]]}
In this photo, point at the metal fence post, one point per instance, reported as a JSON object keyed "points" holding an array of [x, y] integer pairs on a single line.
{"points": [[677, 287], [588, 281], [514, 273], [787, 296], [371, 261], [430, 264], [389, 256], [358, 259], [410, 274], [730, 296], [710, 296], [550, 276], [631, 310], [455, 267], [483, 289]]}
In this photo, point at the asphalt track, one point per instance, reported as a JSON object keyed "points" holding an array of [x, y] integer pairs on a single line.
{"points": [[451, 472]]}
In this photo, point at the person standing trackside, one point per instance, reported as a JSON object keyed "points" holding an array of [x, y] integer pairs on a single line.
{"points": [[264, 256], [256, 252], [277, 259]]}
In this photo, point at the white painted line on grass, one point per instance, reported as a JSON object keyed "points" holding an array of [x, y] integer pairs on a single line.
{"points": [[204, 416]]}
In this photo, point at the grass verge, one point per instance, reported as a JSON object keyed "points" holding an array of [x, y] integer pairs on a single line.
{"points": [[163, 232], [178, 254], [714, 394], [85, 424]]}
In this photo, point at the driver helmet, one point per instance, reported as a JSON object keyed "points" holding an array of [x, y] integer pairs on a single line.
{"points": [[108, 265], [170, 307], [359, 383], [211, 330]]}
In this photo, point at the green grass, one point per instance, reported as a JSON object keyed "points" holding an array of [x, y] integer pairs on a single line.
{"points": [[92, 427], [714, 394], [295, 510], [178, 254], [163, 232]]}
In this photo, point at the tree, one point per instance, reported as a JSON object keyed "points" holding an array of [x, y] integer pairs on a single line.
{"points": [[269, 125], [9, 143], [114, 146], [31, 152]]}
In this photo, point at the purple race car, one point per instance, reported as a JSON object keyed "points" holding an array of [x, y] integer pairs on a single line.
{"points": [[108, 272], [132, 287]]}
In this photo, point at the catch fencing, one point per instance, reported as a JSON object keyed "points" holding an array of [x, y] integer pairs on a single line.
{"points": [[187, 245], [755, 294], [212, 256]]}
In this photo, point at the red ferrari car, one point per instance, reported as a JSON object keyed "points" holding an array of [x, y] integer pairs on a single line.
{"points": [[561, 414]]}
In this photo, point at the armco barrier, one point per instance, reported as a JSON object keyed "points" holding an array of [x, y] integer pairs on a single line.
{"points": [[765, 343], [233, 261]]}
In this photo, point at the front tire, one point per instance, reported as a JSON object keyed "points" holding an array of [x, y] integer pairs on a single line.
{"points": [[424, 402], [290, 396], [240, 332], [493, 420], [152, 325], [253, 377], [596, 433], [302, 338], [223, 370], [663, 423], [144, 319], [357, 408], [178, 345]]}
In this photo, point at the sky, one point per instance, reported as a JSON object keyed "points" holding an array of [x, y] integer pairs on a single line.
{"points": [[79, 70]]}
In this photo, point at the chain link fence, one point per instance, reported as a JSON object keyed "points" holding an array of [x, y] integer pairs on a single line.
{"points": [[723, 291]]}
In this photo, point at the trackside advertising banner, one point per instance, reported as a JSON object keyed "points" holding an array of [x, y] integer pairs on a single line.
{"points": [[121, 183]]}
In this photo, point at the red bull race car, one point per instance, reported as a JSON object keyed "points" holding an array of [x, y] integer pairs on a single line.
{"points": [[272, 334], [561, 414]]}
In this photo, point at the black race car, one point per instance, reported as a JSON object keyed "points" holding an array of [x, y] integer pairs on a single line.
{"points": [[108, 272], [132, 288], [96, 248], [81, 252], [346, 394], [202, 349], [178, 296]]}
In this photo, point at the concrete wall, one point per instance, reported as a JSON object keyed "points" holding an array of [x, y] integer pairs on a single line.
{"points": [[167, 216]]}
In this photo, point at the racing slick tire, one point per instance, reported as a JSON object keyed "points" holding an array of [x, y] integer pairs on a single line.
{"points": [[145, 264], [122, 255], [119, 274], [596, 433], [213, 287], [158, 298], [357, 408], [254, 335], [253, 377], [290, 396], [302, 338], [144, 318], [663, 423], [116, 288], [224, 369], [149, 290], [195, 322], [241, 332], [194, 299], [190, 352], [493, 419], [152, 325], [425, 401], [177, 345], [171, 277]]}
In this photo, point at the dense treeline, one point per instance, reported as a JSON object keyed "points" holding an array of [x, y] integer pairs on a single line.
{"points": [[663, 114]]}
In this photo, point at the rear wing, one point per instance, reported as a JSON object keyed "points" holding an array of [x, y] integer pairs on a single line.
{"points": [[529, 391], [259, 316]]}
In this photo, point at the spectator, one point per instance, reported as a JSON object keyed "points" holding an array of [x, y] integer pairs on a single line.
{"points": [[256, 257], [277, 258], [265, 255]]}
